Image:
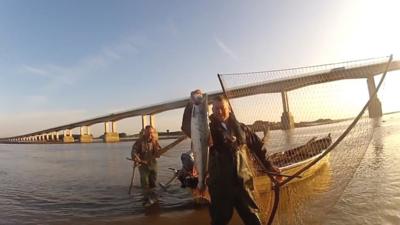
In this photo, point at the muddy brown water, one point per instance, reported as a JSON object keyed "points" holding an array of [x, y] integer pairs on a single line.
{"points": [[88, 184]]}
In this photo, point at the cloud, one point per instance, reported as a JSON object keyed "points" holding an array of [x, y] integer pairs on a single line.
{"points": [[34, 70], [226, 49], [88, 65]]}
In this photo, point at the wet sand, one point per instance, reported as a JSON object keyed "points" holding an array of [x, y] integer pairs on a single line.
{"points": [[192, 217]]}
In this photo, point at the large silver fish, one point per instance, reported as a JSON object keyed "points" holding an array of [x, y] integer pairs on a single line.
{"points": [[199, 135]]}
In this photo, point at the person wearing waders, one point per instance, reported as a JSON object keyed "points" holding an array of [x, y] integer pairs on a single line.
{"points": [[230, 182], [144, 152]]}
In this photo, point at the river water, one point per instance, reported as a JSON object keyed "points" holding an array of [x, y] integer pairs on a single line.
{"points": [[88, 184]]}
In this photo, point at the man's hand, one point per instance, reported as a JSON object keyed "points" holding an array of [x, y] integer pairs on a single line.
{"points": [[138, 161], [196, 96], [278, 171]]}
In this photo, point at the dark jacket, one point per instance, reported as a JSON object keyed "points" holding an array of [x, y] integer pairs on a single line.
{"points": [[140, 148], [229, 159], [186, 119]]}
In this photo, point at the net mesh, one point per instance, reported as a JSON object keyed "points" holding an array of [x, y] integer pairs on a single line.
{"points": [[301, 113]]}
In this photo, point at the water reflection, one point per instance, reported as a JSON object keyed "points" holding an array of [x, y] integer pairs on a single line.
{"points": [[378, 146], [88, 184], [299, 200]]}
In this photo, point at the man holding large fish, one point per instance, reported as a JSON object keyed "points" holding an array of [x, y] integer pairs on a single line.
{"points": [[195, 126], [229, 178]]}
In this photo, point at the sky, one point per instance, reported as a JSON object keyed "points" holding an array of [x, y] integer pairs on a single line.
{"points": [[65, 61]]}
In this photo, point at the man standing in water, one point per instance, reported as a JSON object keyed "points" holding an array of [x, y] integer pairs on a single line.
{"points": [[230, 181], [144, 152]]}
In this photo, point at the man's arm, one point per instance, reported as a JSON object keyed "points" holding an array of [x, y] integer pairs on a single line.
{"points": [[135, 153], [186, 119], [256, 146], [157, 149]]}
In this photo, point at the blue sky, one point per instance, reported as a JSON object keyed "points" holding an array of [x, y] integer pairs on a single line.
{"points": [[64, 61]]}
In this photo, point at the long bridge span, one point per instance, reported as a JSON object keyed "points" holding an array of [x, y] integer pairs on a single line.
{"points": [[148, 113]]}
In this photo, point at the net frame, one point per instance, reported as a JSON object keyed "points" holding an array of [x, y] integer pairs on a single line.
{"points": [[277, 185]]}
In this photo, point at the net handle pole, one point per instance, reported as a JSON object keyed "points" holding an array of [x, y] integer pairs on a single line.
{"points": [[341, 137], [224, 91], [230, 106], [276, 186]]}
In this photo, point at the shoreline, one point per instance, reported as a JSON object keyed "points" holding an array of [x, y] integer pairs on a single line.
{"points": [[198, 216]]}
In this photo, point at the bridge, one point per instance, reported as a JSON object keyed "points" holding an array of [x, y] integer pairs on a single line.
{"points": [[148, 113]]}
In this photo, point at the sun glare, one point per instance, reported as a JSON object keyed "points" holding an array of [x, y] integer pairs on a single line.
{"points": [[371, 30]]}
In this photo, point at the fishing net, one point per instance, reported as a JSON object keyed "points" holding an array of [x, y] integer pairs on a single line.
{"points": [[316, 122]]}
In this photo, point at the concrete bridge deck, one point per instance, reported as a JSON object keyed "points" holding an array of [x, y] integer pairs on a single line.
{"points": [[274, 86]]}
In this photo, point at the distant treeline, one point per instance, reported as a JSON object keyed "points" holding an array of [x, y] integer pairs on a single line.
{"points": [[260, 125]]}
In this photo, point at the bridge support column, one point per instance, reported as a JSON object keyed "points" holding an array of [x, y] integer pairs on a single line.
{"points": [[375, 106], [144, 121], [110, 136], [57, 137], [85, 136], [52, 137], [152, 120], [68, 137], [287, 120]]}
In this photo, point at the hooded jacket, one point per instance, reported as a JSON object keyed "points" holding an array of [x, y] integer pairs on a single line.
{"points": [[233, 142]]}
